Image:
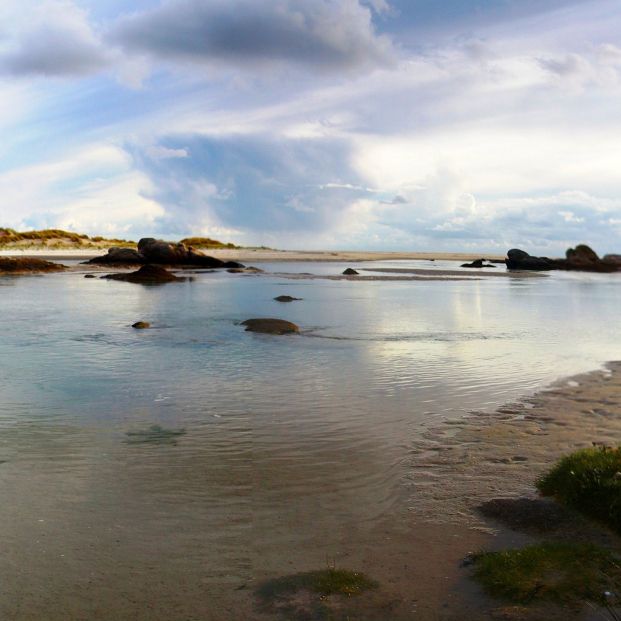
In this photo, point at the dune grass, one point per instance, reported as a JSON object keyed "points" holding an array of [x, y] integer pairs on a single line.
{"points": [[560, 572], [588, 481], [206, 242]]}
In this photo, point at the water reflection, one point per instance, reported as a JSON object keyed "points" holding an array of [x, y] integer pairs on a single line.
{"points": [[193, 451]]}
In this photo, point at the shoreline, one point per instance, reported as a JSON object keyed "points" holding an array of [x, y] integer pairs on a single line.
{"points": [[500, 454], [269, 256]]}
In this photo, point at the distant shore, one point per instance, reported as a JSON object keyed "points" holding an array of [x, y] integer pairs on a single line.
{"points": [[267, 255]]}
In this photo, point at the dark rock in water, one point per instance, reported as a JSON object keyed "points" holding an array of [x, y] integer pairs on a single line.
{"points": [[160, 252], [147, 274], [350, 272], [270, 326], [583, 258], [519, 260], [477, 263], [141, 325], [580, 258], [27, 266], [615, 259], [119, 256], [286, 298], [90, 276]]}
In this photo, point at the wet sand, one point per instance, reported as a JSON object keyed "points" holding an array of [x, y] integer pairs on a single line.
{"points": [[414, 553]]}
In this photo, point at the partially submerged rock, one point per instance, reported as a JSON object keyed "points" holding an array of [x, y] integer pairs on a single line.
{"points": [[477, 263], [119, 256], [520, 260], [286, 298], [160, 252], [270, 326], [580, 258], [141, 325], [350, 272], [28, 266], [147, 274]]}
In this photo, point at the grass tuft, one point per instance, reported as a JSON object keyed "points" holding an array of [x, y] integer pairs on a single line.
{"points": [[589, 481], [323, 582], [565, 573]]}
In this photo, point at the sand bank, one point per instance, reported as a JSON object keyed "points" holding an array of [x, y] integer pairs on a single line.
{"points": [[249, 255]]}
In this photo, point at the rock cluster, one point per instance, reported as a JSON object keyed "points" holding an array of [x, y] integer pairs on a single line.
{"points": [[161, 252], [477, 263], [580, 258]]}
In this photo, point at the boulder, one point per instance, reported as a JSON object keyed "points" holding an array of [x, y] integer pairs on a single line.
{"points": [[270, 326], [580, 258], [477, 263], [141, 325], [286, 298], [615, 259], [350, 272], [160, 252], [520, 260], [146, 275], [584, 258], [119, 256]]}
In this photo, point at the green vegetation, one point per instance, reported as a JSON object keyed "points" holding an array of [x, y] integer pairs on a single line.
{"points": [[565, 573], [55, 238], [206, 242], [323, 582], [155, 434], [590, 482]]}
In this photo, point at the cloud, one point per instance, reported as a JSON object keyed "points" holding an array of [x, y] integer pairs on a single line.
{"points": [[93, 190], [327, 34], [258, 184], [55, 40]]}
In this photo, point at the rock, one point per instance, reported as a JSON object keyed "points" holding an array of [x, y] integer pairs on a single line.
{"points": [[141, 325], [286, 298], [582, 252], [119, 256], [477, 263], [160, 252], [147, 274], [612, 258], [90, 276], [580, 258], [28, 266], [350, 272], [519, 260], [270, 326], [584, 258]]}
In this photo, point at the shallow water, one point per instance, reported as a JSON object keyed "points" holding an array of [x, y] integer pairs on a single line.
{"points": [[183, 456]]}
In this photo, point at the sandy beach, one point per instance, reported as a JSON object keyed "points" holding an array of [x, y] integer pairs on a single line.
{"points": [[249, 255]]}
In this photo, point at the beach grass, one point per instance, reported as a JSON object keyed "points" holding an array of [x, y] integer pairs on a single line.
{"points": [[559, 572], [588, 481]]}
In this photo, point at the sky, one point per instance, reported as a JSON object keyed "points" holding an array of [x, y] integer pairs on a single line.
{"points": [[461, 125]]}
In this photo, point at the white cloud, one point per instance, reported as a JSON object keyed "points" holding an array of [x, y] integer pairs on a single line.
{"points": [[53, 39]]}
